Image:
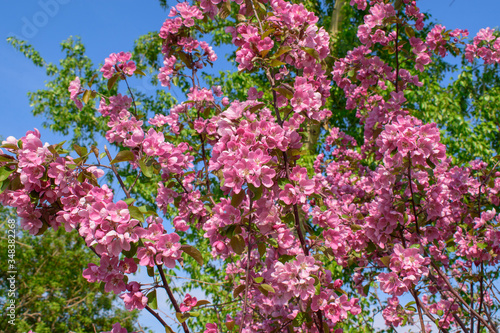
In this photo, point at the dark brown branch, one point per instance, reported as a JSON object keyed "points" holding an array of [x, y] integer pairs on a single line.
{"points": [[247, 277], [171, 295], [156, 315]]}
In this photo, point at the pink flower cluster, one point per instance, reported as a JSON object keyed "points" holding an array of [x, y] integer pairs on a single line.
{"points": [[181, 47], [62, 199], [485, 46], [118, 63], [75, 88], [188, 303]]}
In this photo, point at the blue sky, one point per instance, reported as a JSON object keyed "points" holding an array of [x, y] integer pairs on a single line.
{"points": [[112, 26]]}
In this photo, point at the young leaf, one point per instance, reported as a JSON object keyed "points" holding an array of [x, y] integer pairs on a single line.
{"points": [[202, 302], [238, 244], [182, 317], [122, 156], [193, 253], [146, 170], [5, 173], [238, 290], [237, 198], [152, 301], [112, 81]]}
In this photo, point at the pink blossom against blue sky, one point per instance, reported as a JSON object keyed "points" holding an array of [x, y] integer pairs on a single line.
{"points": [[112, 26]]}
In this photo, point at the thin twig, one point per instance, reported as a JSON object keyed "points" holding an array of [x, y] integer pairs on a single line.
{"points": [[115, 171]]}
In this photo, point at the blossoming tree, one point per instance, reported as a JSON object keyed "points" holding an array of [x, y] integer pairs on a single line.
{"points": [[393, 211]]}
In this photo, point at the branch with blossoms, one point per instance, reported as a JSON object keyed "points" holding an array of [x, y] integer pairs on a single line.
{"points": [[393, 210]]}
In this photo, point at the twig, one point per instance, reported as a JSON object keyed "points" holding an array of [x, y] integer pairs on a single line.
{"points": [[115, 171], [417, 300], [200, 281]]}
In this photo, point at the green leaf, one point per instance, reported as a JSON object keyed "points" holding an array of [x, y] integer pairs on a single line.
{"points": [[6, 158], [135, 213], [237, 198], [261, 246], [133, 250], [193, 253], [258, 279], [238, 290], [101, 287], [182, 317], [152, 301], [202, 302], [238, 244], [386, 260], [355, 227], [122, 156], [430, 163], [9, 146], [284, 92], [256, 107], [194, 313], [257, 192], [282, 182], [409, 31], [230, 325], [146, 170], [366, 289], [265, 289], [410, 303], [273, 242], [112, 81], [151, 271], [4, 185], [482, 246], [276, 63], [312, 52], [86, 96], [285, 258], [5, 173], [81, 151], [129, 201], [139, 72], [282, 50], [92, 80]]}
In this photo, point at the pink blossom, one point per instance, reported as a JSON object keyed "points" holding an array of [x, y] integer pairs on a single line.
{"points": [[188, 303], [75, 89]]}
